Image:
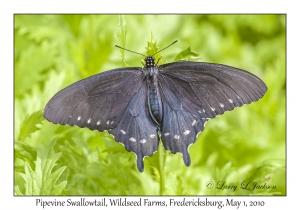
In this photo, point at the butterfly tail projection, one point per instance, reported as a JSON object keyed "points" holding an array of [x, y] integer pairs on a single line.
{"points": [[136, 131]]}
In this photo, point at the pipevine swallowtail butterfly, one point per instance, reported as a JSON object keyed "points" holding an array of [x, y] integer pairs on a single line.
{"points": [[138, 106]]}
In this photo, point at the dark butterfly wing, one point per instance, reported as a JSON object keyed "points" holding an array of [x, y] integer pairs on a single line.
{"points": [[136, 131], [115, 101], [97, 102], [180, 124], [194, 92]]}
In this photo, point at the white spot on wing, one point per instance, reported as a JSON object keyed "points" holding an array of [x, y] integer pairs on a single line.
{"points": [[143, 141], [70, 116], [152, 136], [221, 105], [112, 122], [122, 131], [132, 139], [186, 132], [200, 111], [230, 100], [89, 121], [107, 122], [212, 109], [98, 123], [176, 137], [194, 122], [78, 118], [203, 110], [166, 134]]}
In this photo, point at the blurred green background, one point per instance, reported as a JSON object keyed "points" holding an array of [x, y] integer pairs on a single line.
{"points": [[246, 145]]}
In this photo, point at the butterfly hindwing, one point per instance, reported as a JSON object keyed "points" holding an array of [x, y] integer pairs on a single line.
{"points": [[97, 102], [180, 124], [136, 131]]}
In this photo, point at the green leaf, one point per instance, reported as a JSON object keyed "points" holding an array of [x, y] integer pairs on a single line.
{"points": [[30, 123], [31, 65], [42, 181], [25, 152], [17, 191], [152, 47], [121, 34], [187, 54]]}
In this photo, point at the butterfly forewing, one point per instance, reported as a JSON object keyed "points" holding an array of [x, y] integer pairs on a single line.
{"points": [[213, 87], [97, 102]]}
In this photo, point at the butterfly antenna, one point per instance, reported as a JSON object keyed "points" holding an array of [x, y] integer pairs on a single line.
{"points": [[130, 50], [165, 47]]}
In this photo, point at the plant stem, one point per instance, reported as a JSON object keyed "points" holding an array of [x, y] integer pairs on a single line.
{"points": [[162, 160]]}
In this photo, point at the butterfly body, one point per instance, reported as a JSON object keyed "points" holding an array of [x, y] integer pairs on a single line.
{"points": [[138, 106], [154, 99]]}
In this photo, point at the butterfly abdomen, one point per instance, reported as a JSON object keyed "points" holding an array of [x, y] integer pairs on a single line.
{"points": [[154, 105], [154, 99]]}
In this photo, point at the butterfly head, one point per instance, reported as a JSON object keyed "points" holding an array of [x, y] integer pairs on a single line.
{"points": [[150, 62]]}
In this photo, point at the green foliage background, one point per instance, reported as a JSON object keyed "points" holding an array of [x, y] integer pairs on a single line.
{"points": [[247, 144]]}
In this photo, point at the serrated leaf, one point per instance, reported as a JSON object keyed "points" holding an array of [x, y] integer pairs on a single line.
{"points": [[187, 54], [30, 182], [151, 47], [59, 188], [42, 181], [153, 50], [54, 176], [30, 123], [25, 152], [17, 191], [37, 98]]}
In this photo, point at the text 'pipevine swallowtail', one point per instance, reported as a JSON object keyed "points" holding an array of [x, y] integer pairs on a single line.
{"points": [[138, 106]]}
